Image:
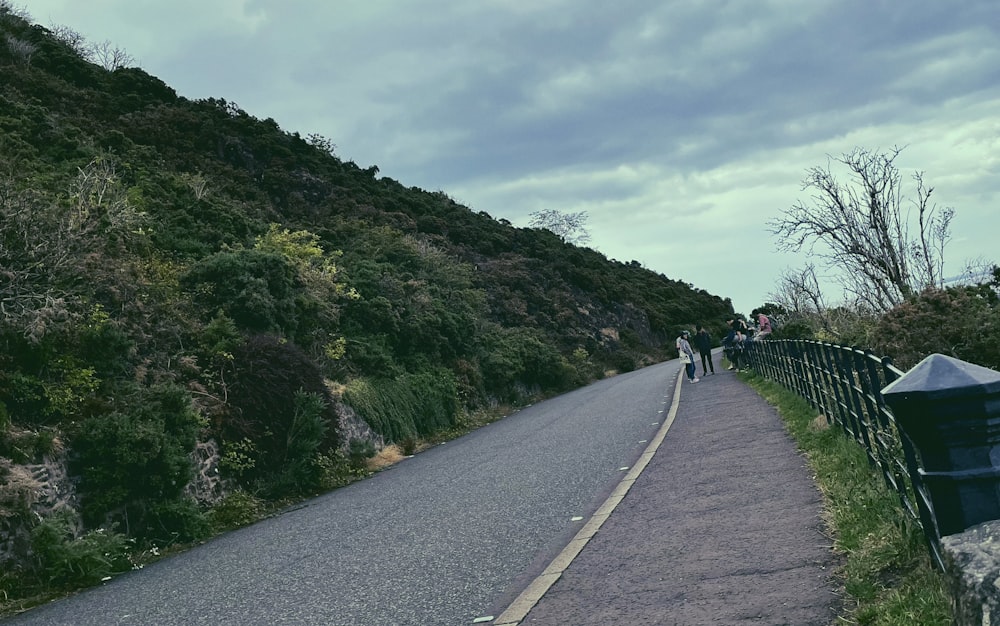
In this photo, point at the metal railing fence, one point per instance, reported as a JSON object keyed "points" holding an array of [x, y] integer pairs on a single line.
{"points": [[844, 384]]}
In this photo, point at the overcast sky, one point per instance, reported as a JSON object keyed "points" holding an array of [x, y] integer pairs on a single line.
{"points": [[680, 127]]}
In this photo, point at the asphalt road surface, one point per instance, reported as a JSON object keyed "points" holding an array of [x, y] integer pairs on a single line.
{"points": [[443, 538]]}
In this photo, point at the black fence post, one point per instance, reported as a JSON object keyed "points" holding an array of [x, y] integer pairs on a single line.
{"points": [[799, 371], [950, 411], [840, 413]]}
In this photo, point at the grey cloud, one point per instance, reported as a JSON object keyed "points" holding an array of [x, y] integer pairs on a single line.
{"points": [[726, 105]]}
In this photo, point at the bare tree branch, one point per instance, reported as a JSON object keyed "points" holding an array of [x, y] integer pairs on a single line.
{"points": [[108, 56], [570, 227], [861, 229]]}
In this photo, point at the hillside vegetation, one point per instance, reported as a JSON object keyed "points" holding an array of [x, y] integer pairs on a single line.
{"points": [[201, 312]]}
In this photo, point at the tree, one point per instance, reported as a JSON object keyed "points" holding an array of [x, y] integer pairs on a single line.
{"points": [[864, 229], [20, 49], [8, 8], [71, 38], [109, 56], [321, 143], [798, 292], [570, 227]]}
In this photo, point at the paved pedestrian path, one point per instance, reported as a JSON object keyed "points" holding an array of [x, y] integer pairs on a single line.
{"points": [[720, 523]]}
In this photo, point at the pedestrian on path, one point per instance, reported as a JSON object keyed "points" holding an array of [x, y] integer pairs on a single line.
{"points": [[703, 341], [687, 355]]}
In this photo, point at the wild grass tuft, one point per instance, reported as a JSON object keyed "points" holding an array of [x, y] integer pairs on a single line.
{"points": [[386, 457], [888, 577]]}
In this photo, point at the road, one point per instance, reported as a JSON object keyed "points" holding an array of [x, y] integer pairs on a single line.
{"points": [[443, 538]]}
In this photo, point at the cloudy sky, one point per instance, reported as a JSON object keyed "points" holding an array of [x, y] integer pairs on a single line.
{"points": [[680, 127]]}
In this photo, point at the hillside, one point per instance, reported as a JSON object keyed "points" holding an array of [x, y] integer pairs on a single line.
{"points": [[186, 290]]}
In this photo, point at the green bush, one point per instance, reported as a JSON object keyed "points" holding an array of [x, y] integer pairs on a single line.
{"points": [[359, 451], [280, 415], [65, 562], [237, 509], [255, 289], [105, 346], [520, 357], [962, 322], [298, 471], [180, 520], [384, 406], [135, 457], [797, 329]]}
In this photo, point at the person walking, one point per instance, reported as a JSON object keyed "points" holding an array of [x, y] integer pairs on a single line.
{"points": [[703, 341], [687, 355]]}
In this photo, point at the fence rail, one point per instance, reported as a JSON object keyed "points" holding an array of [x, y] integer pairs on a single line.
{"points": [[844, 384]]}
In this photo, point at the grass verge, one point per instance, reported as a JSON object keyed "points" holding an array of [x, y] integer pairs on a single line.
{"points": [[888, 577]]}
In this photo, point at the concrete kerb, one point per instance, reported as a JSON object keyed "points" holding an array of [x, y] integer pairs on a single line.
{"points": [[514, 614]]}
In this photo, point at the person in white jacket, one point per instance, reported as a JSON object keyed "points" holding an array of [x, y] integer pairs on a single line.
{"points": [[685, 351]]}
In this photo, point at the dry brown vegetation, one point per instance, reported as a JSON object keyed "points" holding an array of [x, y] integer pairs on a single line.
{"points": [[386, 457]]}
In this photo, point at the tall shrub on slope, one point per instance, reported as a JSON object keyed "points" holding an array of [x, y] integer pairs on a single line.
{"points": [[963, 322], [133, 463], [278, 418]]}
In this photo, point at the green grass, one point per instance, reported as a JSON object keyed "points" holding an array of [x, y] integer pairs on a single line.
{"points": [[887, 574]]}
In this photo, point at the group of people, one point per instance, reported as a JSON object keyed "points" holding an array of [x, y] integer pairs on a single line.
{"points": [[704, 342], [733, 345]]}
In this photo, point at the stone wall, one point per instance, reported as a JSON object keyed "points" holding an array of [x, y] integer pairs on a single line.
{"points": [[972, 564]]}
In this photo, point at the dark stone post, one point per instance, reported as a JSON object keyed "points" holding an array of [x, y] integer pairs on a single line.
{"points": [[950, 410]]}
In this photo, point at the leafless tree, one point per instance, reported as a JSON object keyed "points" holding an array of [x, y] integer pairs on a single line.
{"points": [[863, 229], [570, 227], [799, 293], [20, 49], [108, 56], [71, 38]]}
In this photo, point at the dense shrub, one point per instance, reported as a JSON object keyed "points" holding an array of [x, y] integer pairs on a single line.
{"points": [[299, 470], [179, 520], [255, 289], [280, 414], [135, 457], [962, 322], [795, 329], [239, 508], [520, 358], [106, 347], [384, 404], [66, 562]]}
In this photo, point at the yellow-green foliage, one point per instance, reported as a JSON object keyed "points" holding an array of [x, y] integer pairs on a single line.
{"points": [[238, 458], [239, 508], [301, 247], [77, 384]]}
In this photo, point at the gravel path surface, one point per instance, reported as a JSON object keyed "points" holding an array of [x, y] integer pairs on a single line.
{"points": [[722, 527]]}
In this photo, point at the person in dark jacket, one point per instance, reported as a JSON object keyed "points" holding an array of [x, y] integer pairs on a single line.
{"points": [[703, 341], [733, 343]]}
